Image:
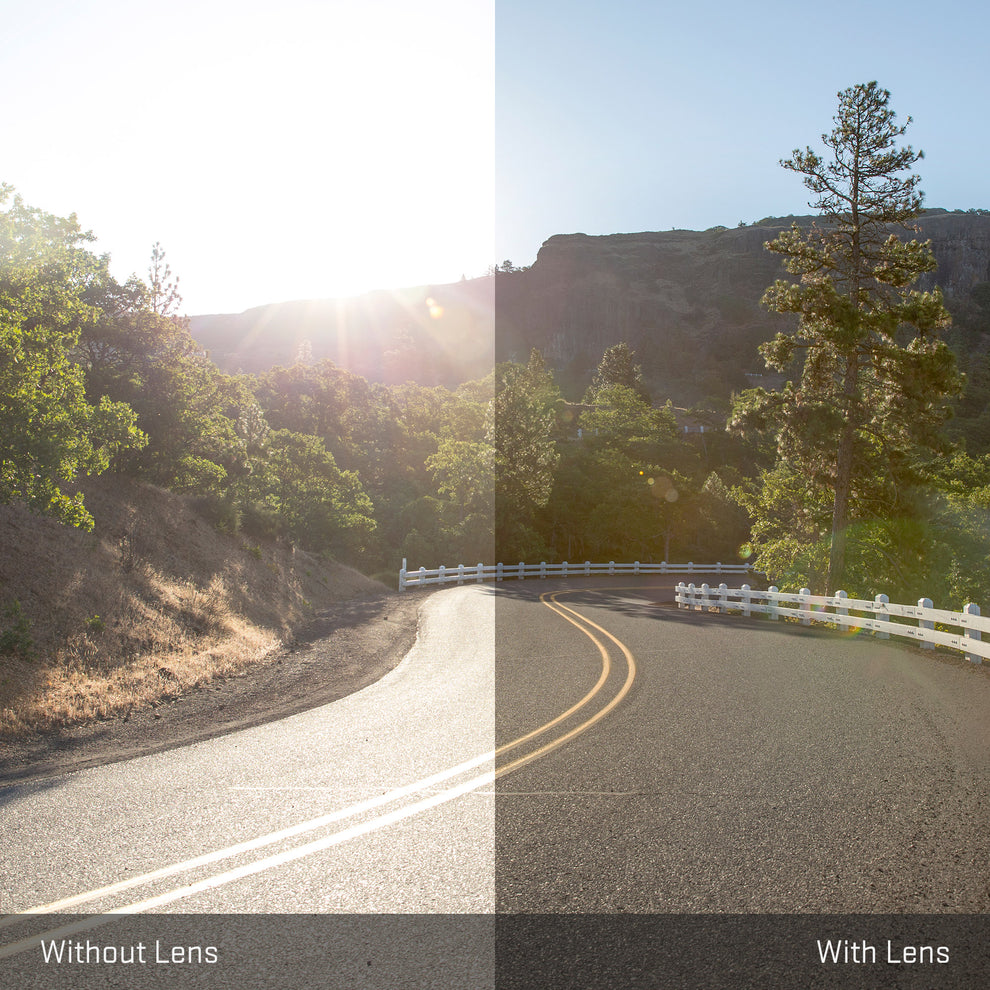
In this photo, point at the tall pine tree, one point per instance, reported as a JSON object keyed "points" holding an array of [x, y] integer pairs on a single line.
{"points": [[875, 375]]}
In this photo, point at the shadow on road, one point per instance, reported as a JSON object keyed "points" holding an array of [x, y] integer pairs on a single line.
{"points": [[653, 599]]}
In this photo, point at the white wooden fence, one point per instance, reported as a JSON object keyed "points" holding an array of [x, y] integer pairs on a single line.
{"points": [[880, 616], [519, 572]]}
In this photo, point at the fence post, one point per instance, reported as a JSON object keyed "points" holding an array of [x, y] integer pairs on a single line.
{"points": [[611, 567], [460, 574], [773, 604], [679, 592], [441, 574], [705, 597], [841, 609], [587, 568], [692, 596], [522, 571], [563, 571], [746, 600], [636, 567], [924, 624], [718, 567], [422, 575], [973, 634], [480, 572], [878, 606], [806, 607], [543, 568], [402, 575], [723, 598], [663, 567], [498, 571]]}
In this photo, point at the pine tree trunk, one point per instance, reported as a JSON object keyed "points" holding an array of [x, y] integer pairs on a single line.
{"points": [[843, 479]]}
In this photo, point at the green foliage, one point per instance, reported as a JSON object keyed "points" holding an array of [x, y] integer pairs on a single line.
{"points": [[203, 427], [869, 407], [618, 368], [724, 529], [49, 433], [15, 633], [622, 419], [630, 488], [518, 427], [163, 289], [790, 526], [320, 507], [364, 472], [95, 624]]}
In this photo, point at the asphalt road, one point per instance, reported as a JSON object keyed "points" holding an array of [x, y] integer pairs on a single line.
{"points": [[554, 748], [328, 774], [751, 767]]}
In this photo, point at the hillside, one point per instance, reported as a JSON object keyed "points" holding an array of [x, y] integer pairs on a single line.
{"points": [[151, 603], [430, 334], [687, 301]]}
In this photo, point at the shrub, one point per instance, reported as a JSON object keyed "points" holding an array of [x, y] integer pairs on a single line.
{"points": [[15, 636]]}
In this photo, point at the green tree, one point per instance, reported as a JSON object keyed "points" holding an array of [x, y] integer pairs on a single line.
{"points": [[620, 418], [163, 289], [136, 350], [618, 367], [870, 402], [464, 478], [321, 507], [49, 433], [518, 429], [618, 491]]}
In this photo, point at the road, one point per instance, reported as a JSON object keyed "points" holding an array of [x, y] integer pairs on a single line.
{"points": [[572, 750], [752, 767]]}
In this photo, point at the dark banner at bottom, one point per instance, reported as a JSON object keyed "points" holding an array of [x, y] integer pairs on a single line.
{"points": [[506, 952]]}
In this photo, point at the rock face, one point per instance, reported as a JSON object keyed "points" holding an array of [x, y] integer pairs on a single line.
{"points": [[688, 302]]}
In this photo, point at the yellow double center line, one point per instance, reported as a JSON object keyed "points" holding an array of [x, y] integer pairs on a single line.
{"points": [[585, 625]]}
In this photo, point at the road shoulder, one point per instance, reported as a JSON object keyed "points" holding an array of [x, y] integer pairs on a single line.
{"points": [[346, 648]]}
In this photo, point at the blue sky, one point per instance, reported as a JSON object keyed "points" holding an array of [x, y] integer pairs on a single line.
{"points": [[619, 117], [314, 148]]}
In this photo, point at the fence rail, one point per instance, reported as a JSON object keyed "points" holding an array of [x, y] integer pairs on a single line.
{"points": [[880, 616], [460, 574]]}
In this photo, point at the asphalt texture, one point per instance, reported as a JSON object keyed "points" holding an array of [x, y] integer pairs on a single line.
{"points": [[516, 800], [752, 767]]}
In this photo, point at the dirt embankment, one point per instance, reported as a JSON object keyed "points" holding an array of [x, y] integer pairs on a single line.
{"points": [[142, 633]]}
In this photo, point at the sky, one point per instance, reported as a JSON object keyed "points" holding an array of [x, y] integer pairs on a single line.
{"points": [[320, 148]]}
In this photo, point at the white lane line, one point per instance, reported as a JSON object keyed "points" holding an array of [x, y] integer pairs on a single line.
{"points": [[259, 866], [258, 843], [206, 859], [307, 849]]}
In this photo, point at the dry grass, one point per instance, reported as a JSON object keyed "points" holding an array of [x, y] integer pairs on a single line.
{"points": [[151, 603]]}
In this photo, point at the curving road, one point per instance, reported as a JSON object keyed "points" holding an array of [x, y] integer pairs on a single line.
{"points": [[752, 767], [546, 748]]}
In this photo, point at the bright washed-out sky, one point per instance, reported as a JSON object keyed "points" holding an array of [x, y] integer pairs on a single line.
{"points": [[318, 148]]}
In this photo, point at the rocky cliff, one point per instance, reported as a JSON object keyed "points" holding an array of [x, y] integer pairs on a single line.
{"points": [[688, 302]]}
